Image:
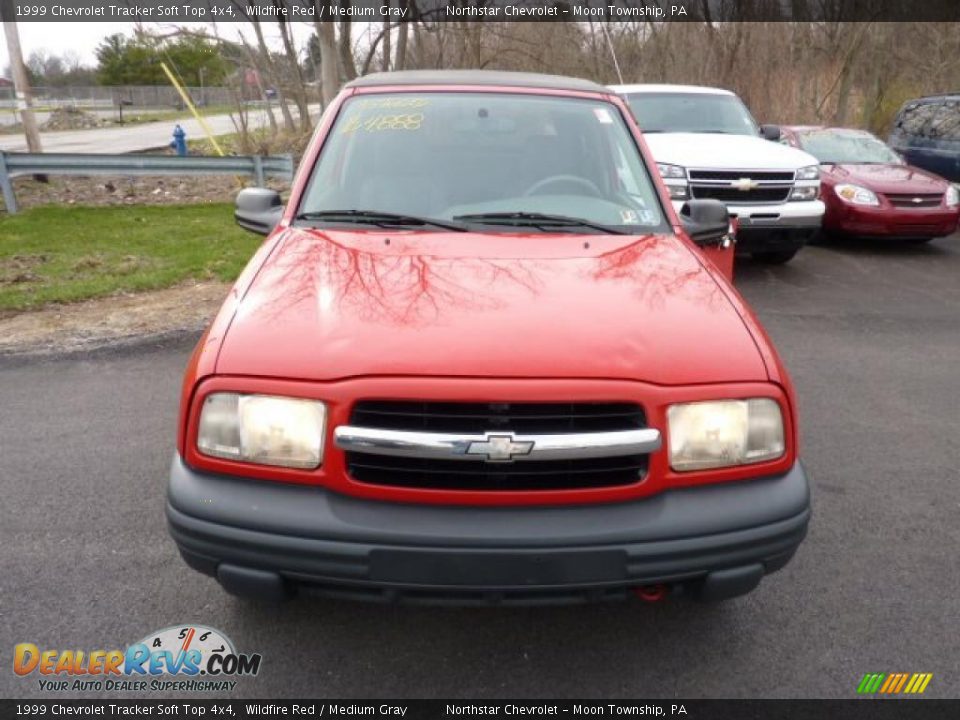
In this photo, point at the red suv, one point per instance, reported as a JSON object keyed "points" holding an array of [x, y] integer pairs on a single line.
{"points": [[480, 359]]}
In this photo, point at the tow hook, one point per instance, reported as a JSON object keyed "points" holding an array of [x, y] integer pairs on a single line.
{"points": [[652, 593]]}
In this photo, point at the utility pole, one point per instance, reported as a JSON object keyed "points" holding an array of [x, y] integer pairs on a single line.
{"points": [[21, 84]]}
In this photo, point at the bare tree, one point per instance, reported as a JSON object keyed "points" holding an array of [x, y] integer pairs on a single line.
{"points": [[401, 58], [329, 62], [347, 64], [296, 72], [22, 85]]}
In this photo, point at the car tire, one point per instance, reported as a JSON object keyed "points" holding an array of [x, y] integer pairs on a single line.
{"points": [[775, 257]]}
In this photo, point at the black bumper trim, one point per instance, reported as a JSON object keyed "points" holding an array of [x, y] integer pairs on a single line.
{"points": [[231, 528], [773, 238]]}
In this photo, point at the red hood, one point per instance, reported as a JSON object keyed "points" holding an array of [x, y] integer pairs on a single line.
{"points": [[333, 304], [886, 178]]}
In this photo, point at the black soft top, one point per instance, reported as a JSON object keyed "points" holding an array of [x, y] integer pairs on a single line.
{"points": [[477, 77]]}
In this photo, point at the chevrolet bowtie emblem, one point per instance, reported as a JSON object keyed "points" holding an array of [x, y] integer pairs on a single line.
{"points": [[744, 184], [500, 448]]}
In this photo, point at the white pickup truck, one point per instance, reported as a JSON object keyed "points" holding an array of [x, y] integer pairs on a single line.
{"points": [[707, 145]]}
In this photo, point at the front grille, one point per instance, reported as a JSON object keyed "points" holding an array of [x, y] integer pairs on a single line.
{"points": [[914, 200], [759, 175], [479, 418], [733, 195], [463, 475]]}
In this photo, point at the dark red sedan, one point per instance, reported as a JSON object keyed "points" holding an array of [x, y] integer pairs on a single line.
{"points": [[870, 191]]}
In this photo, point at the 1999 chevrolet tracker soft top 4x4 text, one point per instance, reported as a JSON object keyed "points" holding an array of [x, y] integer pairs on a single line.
{"points": [[481, 359]]}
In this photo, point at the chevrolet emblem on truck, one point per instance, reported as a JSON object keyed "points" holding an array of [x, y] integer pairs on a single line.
{"points": [[745, 184], [500, 448]]}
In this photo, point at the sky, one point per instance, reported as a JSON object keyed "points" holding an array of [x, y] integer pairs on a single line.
{"points": [[82, 38]]}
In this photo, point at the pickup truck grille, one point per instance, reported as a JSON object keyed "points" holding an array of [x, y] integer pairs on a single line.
{"points": [[914, 200], [734, 195], [758, 175], [480, 418], [741, 187]]}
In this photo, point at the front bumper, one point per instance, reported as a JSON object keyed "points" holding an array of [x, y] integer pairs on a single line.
{"points": [[782, 227], [268, 540], [800, 215], [892, 223]]}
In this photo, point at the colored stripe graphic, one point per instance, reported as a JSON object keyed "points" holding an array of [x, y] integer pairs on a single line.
{"points": [[918, 683], [894, 683], [903, 681], [870, 683]]}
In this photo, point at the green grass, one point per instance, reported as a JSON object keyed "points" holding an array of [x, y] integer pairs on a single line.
{"points": [[65, 254]]}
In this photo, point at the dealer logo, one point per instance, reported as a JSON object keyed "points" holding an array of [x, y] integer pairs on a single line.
{"points": [[186, 657]]}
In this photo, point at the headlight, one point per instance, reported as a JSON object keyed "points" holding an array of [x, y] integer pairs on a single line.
{"points": [[671, 171], [262, 429], [856, 195], [724, 433], [809, 192], [952, 198], [810, 172]]}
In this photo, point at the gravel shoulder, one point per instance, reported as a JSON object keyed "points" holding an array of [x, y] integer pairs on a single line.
{"points": [[114, 320]]}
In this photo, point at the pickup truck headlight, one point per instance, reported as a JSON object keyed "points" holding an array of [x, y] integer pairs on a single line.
{"points": [[676, 179], [810, 172], [952, 198], [808, 192], [263, 429], [724, 433], [856, 195], [671, 171]]}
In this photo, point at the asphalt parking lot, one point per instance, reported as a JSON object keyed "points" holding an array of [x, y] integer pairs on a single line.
{"points": [[872, 338]]}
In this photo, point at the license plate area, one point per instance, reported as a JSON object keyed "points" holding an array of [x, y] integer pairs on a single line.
{"points": [[497, 569]]}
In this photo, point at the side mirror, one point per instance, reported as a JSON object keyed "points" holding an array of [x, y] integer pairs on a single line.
{"points": [[707, 222], [258, 210], [770, 132]]}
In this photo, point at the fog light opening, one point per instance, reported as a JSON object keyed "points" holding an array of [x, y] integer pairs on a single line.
{"points": [[652, 593]]}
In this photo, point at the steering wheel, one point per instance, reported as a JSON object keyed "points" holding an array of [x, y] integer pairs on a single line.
{"points": [[571, 179]]}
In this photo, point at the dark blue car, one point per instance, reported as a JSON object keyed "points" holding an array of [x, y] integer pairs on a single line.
{"points": [[927, 134]]}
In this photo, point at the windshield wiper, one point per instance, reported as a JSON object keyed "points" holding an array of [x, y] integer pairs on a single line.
{"points": [[538, 220], [379, 218]]}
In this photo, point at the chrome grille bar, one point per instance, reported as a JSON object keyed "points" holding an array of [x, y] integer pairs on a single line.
{"points": [[496, 446]]}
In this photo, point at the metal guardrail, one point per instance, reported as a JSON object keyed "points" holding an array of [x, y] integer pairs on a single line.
{"points": [[256, 166]]}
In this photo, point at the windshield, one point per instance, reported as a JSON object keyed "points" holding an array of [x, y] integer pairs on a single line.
{"points": [[692, 112], [830, 146], [860, 148], [511, 159]]}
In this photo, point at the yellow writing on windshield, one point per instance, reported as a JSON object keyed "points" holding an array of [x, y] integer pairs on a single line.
{"points": [[377, 123], [393, 102]]}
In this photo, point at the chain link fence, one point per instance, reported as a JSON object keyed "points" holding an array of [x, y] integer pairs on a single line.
{"points": [[108, 101]]}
